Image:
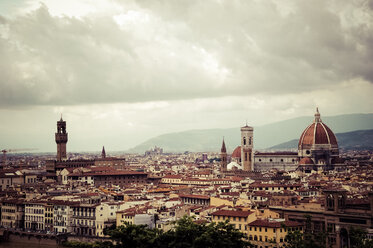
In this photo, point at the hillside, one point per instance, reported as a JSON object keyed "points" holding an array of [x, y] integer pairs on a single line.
{"points": [[356, 140], [264, 136]]}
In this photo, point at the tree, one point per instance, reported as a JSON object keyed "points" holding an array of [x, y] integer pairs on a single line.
{"points": [[189, 234], [359, 238], [308, 239], [185, 234]]}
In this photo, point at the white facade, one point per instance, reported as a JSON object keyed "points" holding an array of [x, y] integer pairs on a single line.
{"points": [[105, 216], [62, 218], [34, 216]]}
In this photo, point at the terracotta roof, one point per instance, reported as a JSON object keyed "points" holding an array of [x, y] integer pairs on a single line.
{"points": [[317, 133], [237, 152], [305, 161], [232, 213]]}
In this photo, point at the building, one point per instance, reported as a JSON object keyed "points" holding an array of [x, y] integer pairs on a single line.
{"points": [[317, 150], [62, 216], [117, 163], [195, 199], [283, 161], [34, 216], [48, 220], [337, 216], [247, 145], [54, 167], [239, 219], [271, 233], [61, 140], [318, 145], [12, 213], [83, 219], [105, 216], [223, 157]]}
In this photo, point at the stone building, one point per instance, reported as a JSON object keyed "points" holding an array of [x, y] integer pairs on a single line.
{"points": [[337, 216]]}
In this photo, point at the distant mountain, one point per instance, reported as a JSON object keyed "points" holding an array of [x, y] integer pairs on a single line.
{"points": [[264, 136], [356, 140]]}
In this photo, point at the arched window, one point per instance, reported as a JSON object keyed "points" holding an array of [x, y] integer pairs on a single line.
{"points": [[250, 141], [244, 140]]}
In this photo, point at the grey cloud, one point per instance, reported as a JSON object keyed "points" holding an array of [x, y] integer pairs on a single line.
{"points": [[181, 50]]}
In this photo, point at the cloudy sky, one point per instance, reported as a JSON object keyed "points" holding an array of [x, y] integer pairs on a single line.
{"points": [[125, 71]]}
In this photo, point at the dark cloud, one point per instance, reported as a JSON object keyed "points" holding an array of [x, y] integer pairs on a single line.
{"points": [[173, 50]]}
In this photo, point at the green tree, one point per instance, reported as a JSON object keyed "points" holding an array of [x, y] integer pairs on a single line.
{"points": [[185, 234], [307, 239], [359, 238]]}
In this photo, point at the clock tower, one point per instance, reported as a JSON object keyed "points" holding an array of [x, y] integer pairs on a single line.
{"points": [[61, 140]]}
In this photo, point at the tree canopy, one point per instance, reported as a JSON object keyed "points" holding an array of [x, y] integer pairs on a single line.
{"points": [[185, 234]]}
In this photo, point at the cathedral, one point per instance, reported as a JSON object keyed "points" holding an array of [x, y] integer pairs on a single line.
{"points": [[317, 151]]}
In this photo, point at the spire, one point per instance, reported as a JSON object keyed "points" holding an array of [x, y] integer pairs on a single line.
{"points": [[103, 153], [223, 148], [317, 115], [61, 117]]}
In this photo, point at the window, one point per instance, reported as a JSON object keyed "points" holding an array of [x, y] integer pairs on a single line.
{"points": [[244, 140]]}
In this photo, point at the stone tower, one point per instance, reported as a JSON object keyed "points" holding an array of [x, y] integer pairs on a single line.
{"points": [[61, 139], [247, 147], [223, 157], [103, 153]]}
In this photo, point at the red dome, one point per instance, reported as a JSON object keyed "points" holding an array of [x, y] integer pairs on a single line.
{"points": [[317, 134], [237, 152], [306, 161]]}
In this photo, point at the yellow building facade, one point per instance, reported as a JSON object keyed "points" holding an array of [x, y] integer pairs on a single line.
{"points": [[270, 233]]}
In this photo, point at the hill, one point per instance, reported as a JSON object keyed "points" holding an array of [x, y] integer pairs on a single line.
{"points": [[356, 140], [264, 136]]}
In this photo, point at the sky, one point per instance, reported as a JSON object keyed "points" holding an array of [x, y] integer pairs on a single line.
{"points": [[121, 72]]}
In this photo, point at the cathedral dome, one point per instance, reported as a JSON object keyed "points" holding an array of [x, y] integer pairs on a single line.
{"points": [[237, 152], [306, 161], [317, 135]]}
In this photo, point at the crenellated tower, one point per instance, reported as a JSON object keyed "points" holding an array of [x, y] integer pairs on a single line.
{"points": [[223, 157], [61, 140], [247, 147]]}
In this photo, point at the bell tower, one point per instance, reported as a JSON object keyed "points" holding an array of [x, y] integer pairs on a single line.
{"points": [[223, 157], [61, 140], [103, 153], [247, 147]]}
